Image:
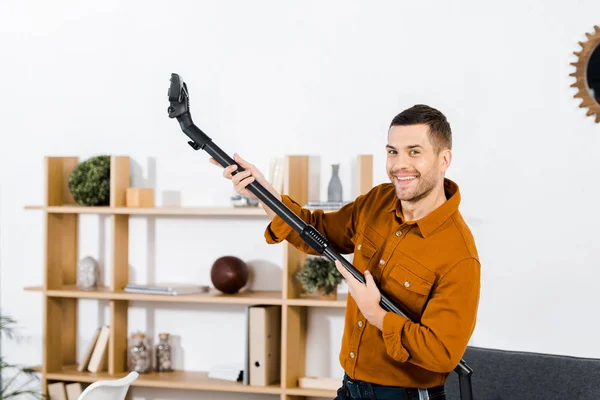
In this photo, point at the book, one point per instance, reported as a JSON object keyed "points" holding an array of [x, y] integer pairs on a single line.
{"points": [[100, 354], [74, 390], [169, 289], [56, 391], [88, 353]]}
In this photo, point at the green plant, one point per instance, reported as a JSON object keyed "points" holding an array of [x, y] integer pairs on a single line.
{"points": [[89, 182], [318, 273], [14, 387]]}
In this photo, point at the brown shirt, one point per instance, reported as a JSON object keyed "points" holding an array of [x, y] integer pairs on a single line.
{"points": [[429, 268]]}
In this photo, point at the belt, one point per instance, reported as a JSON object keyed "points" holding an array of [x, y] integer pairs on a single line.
{"points": [[366, 390]]}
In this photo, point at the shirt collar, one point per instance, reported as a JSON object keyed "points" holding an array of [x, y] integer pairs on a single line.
{"points": [[437, 217]]}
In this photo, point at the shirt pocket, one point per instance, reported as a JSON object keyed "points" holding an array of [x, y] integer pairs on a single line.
{"points": [[367, 245], [409, 284]]}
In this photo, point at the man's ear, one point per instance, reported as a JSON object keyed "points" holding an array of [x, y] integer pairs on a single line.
{"points": [[445, 159]]}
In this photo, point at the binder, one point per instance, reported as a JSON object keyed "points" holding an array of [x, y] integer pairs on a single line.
{"points": [[264, 344], [246, 373]]}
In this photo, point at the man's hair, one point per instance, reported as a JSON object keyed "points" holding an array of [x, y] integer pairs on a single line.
{"points": [[440, 133]]}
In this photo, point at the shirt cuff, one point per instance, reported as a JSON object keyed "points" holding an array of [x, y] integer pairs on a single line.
{"points": [[393, 324], [278, 230]]}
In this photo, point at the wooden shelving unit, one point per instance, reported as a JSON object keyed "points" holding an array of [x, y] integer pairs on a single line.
{"points": [[157, 211], [60, 293]]}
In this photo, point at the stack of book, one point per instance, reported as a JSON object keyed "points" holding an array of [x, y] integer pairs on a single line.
{"points": [[325, 205], [169, 289], [233, 372]]}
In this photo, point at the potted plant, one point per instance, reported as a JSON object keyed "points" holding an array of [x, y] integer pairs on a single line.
{"points": [[14, 379], [89, 182], [320, 277]]}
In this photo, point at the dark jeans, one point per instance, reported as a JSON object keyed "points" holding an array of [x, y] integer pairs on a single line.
{"points": [[352, 389]]}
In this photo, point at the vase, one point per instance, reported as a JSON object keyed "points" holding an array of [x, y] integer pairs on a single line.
{"points": [[334, 189], [331, 296]]}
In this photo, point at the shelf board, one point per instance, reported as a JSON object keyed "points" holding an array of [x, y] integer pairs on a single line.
{"points": [[213, 296], [308, 302], [190, 380], [164, 211], [329, 394]]}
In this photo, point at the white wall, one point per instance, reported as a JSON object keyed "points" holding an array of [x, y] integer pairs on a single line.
{"points": [[322, 78]]}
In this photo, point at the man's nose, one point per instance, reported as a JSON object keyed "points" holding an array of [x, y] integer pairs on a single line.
{"points": [[402, 161]]}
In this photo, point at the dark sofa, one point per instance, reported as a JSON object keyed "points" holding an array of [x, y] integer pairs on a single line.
{"points": [[513, 375]]}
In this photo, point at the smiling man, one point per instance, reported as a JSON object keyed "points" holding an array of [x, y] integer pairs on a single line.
{"points": [[411, 242]]}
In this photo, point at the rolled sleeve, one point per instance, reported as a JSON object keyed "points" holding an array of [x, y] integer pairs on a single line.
{"points": [[392, 336], [337, 227]]}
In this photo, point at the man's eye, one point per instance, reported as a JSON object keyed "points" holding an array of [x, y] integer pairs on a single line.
{"points": [[391, 151], [414, 152]]}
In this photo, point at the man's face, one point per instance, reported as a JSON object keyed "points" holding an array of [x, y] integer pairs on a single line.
{"points": [[412, 164]]}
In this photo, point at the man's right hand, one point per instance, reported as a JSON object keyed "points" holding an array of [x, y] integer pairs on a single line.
{"points": [[244, 178]]}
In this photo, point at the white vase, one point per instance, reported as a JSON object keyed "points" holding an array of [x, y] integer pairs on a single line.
{"points": [[334, 189]]}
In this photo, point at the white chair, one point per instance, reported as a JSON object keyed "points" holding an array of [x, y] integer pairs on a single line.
{"points": [[109, 390]]}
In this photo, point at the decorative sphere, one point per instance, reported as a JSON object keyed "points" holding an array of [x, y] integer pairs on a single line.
{"points": [[89, 182], [229, 274]]}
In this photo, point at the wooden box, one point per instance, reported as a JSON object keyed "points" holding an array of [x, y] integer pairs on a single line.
{"points": [[140, 197]]}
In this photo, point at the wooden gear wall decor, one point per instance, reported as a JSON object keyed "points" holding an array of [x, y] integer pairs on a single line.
{"points": [[581, 73]]}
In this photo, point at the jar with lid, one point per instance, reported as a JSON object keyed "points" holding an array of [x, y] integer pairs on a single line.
{"points": [[139, 357], [164, 354]]}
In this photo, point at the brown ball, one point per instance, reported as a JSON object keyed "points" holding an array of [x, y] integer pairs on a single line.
{"points": [[229, 274]]}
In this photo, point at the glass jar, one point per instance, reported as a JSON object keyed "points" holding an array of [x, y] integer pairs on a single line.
{"points": [[139, 357], [164, 353]]}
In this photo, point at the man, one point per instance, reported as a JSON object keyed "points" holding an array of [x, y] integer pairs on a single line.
{"points": [[411, 242]]}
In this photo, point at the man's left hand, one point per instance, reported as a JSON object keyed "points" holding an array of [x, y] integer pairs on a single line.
{"points": [[367, 296]]}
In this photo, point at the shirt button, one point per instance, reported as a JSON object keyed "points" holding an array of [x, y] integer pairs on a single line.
{"points": [[382, 261], [398, 232], [360, 324], [359, 246], [407, 284], [351, 354]]}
